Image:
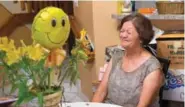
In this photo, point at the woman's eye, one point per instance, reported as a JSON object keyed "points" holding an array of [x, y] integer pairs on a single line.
{"points": [[121, 31], [129, 32]]}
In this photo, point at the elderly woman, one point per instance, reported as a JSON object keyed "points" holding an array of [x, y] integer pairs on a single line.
{"points": [[133, 77]]}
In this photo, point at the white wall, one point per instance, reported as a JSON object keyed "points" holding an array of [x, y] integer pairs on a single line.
{"points": [[14, 8]]}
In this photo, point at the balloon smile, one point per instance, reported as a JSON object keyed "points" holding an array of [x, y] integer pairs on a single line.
{"points": [[54, 42]]}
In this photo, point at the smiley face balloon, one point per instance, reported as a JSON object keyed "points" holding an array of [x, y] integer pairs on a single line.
{"points": [[51, 27]]}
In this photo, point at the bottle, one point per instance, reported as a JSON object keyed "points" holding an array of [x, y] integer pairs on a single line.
{"points": [[119, 7], [133, 6], [127, 6]]}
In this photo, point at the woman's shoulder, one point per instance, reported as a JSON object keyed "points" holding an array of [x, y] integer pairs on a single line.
{"points": [[153, 64], [153, 60]]}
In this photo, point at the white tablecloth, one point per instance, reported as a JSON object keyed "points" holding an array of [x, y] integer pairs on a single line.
{"points": [[87, 104]]}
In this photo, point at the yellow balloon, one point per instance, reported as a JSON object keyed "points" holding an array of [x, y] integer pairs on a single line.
{"points": [[51, 27]]}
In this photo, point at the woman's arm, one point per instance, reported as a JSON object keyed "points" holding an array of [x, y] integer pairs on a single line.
{"points": [[151, 87], [102, 88]]}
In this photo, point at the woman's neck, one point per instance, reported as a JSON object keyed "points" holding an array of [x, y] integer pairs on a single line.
{"points": [[134, 53]]}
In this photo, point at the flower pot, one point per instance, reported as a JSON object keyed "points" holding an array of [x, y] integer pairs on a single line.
{"points": [[53, 100]]}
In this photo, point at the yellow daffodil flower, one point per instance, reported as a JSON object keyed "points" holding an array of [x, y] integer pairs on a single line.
{"points": [[83, 40], [22, 51], [4, 40], [12, 57], [82, 34], [35, 52], [5, 45]]}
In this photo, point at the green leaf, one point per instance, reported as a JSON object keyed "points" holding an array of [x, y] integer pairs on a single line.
{"points": [[14, 87], [26, 60], [29, 97], [82, 55], [2, 54], [44, 76], [73, 77], [70, 71], [48, 91], [3, 83], [40, 99], [14, 66], [23, 92], [38, 65]]}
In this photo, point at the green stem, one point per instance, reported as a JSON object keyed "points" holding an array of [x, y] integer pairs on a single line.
{"points": [[33, 76], [7, 67], [3, 85], [40, 80], [43, 78], [49, 84], [63, 76]]}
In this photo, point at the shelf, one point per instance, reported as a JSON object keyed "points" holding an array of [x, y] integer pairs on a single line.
{"points": [[164, 22], [154, 17]]}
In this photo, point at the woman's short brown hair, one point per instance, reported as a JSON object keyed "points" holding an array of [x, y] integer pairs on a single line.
{"points": [[143, 26]]}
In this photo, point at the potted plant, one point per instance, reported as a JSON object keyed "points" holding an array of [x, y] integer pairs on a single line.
{"points": [[25, 69], [31, 69]]}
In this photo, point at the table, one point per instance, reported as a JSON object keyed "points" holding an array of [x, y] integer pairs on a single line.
{"points": [[88, 104]]}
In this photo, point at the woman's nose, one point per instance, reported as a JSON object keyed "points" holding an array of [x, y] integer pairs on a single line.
{"points": [[123, 35]]}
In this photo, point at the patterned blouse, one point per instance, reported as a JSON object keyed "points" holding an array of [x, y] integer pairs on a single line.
{"points": [[124, 88]]}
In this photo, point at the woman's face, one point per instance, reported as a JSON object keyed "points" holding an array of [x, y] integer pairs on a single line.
{"points": [[129, 36]]}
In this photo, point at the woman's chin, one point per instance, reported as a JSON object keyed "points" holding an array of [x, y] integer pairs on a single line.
{"points": [[124, 46]]}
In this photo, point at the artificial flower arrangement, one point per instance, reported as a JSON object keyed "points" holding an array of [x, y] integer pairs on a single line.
{"points": [[35, 70]]}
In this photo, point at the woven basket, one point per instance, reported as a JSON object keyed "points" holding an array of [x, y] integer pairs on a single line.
{"points": [[53, 100], [166, 7]]}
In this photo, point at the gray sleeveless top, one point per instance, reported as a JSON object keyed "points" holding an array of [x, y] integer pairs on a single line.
{"points": [[124, 88]]}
